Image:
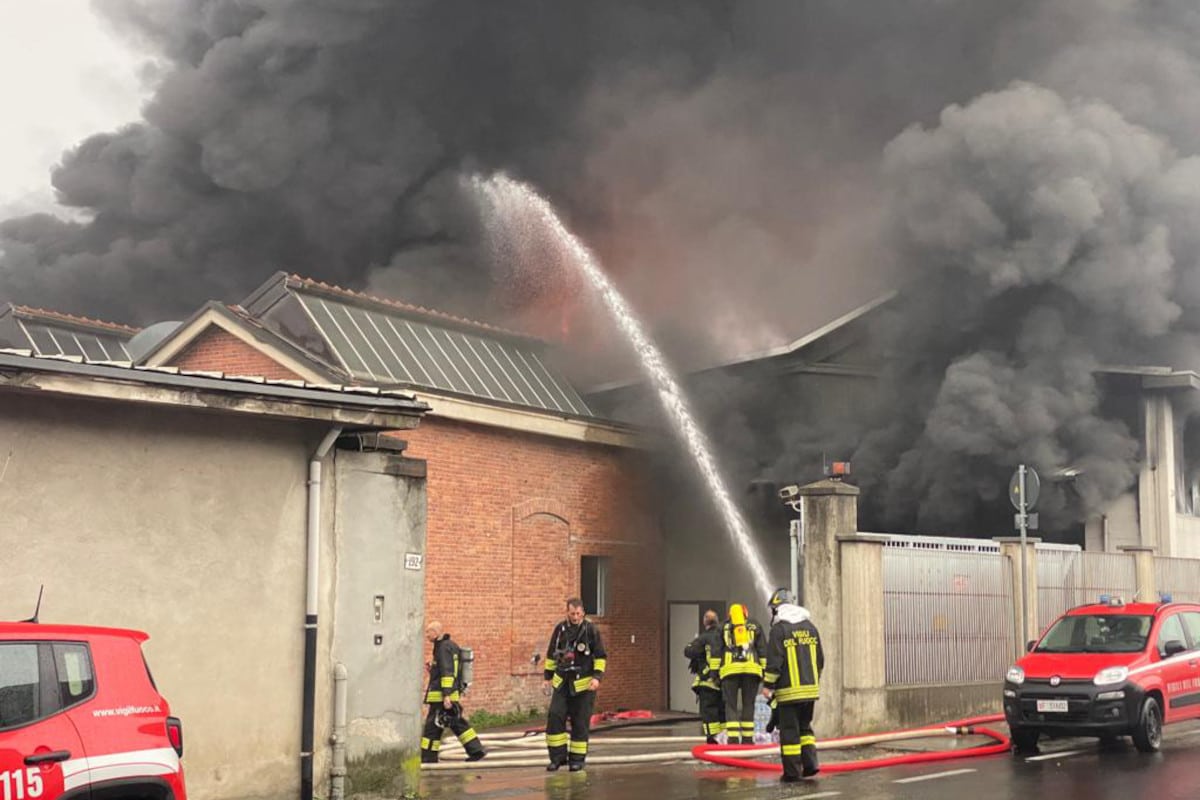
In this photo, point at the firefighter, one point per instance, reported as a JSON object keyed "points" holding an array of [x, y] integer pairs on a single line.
{"points": [[575, 661], [743, 648], [445, 711], [704, 661], [794, 663]]}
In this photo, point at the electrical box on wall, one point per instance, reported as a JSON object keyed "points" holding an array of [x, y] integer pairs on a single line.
{"points": [[378, 608]]}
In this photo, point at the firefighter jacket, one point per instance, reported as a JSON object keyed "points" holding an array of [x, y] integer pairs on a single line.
{"points": [[794, 656], [575, 656], [444, 677], [737, 660], [704, 657]]}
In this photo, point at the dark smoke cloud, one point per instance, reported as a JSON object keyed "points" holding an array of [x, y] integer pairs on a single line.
{"points": [[748, 171]]}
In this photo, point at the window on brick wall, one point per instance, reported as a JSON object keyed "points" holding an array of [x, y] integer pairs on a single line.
{"points": [[593, 584]]}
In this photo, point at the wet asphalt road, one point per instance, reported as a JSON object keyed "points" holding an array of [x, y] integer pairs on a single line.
{"points": [[1064, 770]]}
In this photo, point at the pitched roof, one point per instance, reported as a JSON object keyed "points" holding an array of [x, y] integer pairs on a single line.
{"points": [[283, 280], [29, 312], [54, 333], [387, 343]]}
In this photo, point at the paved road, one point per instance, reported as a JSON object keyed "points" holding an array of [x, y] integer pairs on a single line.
{"points": [[1065, 770]]}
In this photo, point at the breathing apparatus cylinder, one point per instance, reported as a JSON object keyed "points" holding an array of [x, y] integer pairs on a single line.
{"points": [[466, 664], [741, 636]]}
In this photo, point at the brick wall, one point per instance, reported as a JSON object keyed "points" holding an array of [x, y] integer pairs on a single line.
{"points": [[221, 351], [510, 516]]}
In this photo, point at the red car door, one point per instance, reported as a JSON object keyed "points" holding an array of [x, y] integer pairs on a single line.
{"points": [[36, 741], [1189, 700], [1177, 673]]}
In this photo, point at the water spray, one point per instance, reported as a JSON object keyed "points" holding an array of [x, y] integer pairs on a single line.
{"points": [[511, 198]]}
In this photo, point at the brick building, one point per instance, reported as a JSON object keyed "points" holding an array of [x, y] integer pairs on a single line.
{"points": [[531, 496]]}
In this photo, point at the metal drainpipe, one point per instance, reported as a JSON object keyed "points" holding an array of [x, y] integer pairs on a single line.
{"points": [[337, 788], [308, 721]]}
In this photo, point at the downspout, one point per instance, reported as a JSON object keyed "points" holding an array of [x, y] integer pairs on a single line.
{"points": [[308, 721], [337, 782]]}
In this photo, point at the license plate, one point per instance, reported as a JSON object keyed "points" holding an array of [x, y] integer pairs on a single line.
{"points": [[1052, 706]]}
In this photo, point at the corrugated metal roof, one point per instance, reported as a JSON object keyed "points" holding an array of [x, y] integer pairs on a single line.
{"points": [[387, 348], [51, 333]]}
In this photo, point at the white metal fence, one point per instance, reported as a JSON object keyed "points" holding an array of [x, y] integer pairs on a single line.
{"points": [[948, 614], [1067, 578], [1178, 577]]}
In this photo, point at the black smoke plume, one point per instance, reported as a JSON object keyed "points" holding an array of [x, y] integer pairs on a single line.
{"points": [[1024, 170]]}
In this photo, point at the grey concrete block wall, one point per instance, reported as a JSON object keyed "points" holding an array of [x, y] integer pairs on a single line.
{"points": [[380, 522]]}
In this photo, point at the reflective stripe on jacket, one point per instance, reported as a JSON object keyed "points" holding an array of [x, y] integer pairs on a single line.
{"points": [[705, 653], [574, 656], [794, 662], [443, 672]]}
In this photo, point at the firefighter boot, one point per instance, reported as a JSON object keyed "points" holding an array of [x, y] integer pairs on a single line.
{"points": [[808, 757]]}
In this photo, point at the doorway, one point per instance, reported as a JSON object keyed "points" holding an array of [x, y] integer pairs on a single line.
{"points": [[684, 621]]}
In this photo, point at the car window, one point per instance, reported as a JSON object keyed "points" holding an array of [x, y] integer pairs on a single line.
{"points": [[76, 680], [18, 684], [1172, 628], [1097, 633], [1191, 622]]}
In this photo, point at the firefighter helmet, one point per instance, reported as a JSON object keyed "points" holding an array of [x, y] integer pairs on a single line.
{"points": [[781, 596]]}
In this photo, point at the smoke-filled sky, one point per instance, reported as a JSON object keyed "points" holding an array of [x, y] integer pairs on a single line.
{"points": [[747, 171]]}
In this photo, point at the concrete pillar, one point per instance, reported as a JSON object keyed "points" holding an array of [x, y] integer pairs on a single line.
{"points": [[1024, 605], [830, 512], [864, 697], [1156, 485], [1143, 565]]}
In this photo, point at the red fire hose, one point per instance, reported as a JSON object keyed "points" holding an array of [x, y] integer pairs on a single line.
{"points": [[708, 752]]}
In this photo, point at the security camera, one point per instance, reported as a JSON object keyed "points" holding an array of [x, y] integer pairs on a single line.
{"points": [[789, 492]]}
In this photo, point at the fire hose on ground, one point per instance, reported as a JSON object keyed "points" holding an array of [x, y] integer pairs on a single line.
{"points": [[518, 749]]}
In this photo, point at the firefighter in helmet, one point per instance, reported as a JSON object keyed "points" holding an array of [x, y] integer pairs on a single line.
{"points": [[704, 661], [794, 663], [743, 649], [442, 696], [574, 665]]}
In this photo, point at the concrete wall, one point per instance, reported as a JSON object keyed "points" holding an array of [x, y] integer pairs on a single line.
{"points": [[1123, 527], [380, 518], [914, 706], [191, 527], [1187, 536]]}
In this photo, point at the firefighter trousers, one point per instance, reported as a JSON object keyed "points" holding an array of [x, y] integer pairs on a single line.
{"points": [[739, 723], [431, 736], [712, 712], [578, 709], [797, 744]]}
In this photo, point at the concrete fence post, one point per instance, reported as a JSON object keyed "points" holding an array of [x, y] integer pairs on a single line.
{"points": [[830, 513], [1143, 567], [1024, 607], [864, 695]]}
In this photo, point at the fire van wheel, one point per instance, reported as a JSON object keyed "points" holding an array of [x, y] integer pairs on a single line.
{"points": [[1024, 740], [1147, 735]]}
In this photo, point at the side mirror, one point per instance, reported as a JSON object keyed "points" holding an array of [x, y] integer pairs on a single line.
{"points": [[1032, 643], [1173, 647]]}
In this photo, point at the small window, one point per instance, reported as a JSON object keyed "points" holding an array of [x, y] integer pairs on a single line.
{"points": [[1191, 621], [76, 681], [18, 684], [1172, 628], [593, 588]]}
